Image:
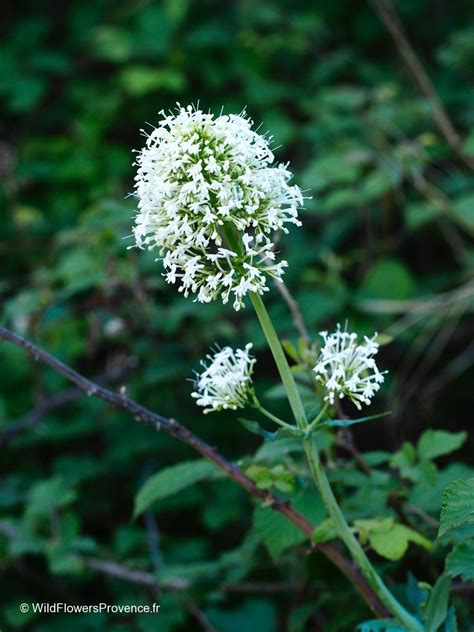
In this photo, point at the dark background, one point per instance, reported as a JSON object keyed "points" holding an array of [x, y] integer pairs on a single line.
{"points": [[386, 244]]}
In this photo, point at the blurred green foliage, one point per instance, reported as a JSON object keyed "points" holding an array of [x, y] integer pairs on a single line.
{"points": [[386, 245]]}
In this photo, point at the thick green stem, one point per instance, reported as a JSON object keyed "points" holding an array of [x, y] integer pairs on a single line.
{"points": [[320, 478], [280, 360], [346, 535]]}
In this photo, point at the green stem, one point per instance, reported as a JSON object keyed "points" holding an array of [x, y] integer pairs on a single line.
{"points": [[280, 360], [347, 536], [317, 419], [320, 478], [274, 418]]}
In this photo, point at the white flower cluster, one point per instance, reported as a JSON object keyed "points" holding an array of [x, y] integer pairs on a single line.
{"points": [[227, 381], [200, 179], [347, 369]]}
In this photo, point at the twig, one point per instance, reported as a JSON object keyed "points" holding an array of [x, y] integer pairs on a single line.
{"points": [[294, 309], [422, 514], [386, 11], [345, 440], [144, 578], [453, 369], [181, 433], [33, 417], [133, 576], [200, 617]]}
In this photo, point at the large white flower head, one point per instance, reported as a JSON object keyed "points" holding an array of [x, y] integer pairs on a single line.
{"points": [[347, 368], [226, 381], [200, 179]]}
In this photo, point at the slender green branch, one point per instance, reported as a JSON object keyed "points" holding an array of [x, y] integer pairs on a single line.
{"points": [[274, 418], [312, 425], [347, 536], [280, 360]]}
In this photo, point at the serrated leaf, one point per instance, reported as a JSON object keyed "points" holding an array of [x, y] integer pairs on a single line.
{"points": [[436, 443], [276, 531], [460, 562], [172, 480], [437, 606], [457, 505]]}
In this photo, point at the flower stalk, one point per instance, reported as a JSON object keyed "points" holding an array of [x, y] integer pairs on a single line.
{"points": [[280, 360], [319, 475]]}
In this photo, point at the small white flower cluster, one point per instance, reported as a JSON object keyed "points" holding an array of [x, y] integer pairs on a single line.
{"points": [[347, 369], [200, 178], [227, 381]]}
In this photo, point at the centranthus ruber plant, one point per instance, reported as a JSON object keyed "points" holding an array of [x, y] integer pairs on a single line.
{"points": [[210, 200]]}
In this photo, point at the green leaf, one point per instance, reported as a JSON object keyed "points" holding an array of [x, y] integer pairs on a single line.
{"points": [[276, 531], [401, 285], [435, 443], [260, 475], [261, 613], [48, 495], [298, 619], [418, 214], [376, 184], [172, 480], [405, 460], [468, 147], [112, 43], [277, 476], [457, 505], [276, 450], [324, 531], [388, 538], [345, 423], [450, 624], [464, 207], [461, 561], [255, 428], [437, 606], [140, 80], [290, 350]]}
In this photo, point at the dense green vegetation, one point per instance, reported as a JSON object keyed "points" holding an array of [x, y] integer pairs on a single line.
{"points": [[386, 244]]}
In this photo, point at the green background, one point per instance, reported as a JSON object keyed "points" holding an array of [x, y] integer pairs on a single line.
{"points": [[389, 226]]}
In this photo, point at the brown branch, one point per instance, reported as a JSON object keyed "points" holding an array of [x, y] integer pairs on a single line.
{"points": [[181, 433], [387, 13], [114, 569], [294, 309], [33, 417]]}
